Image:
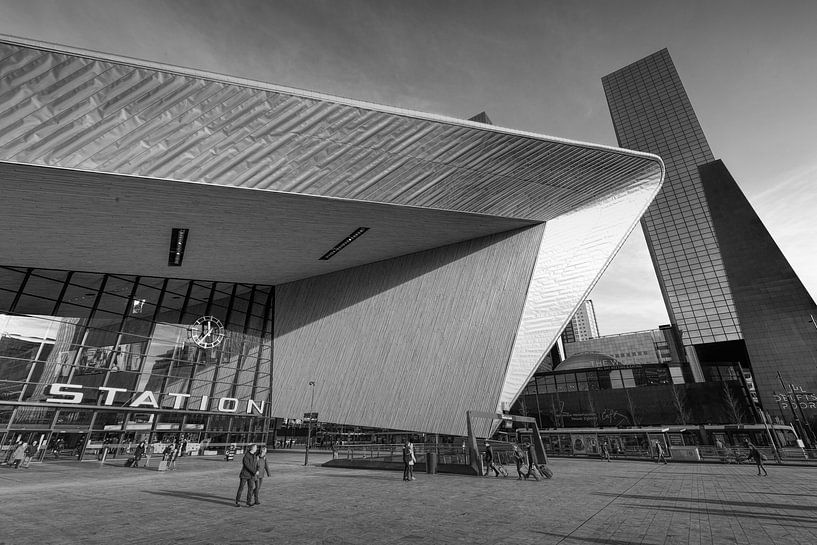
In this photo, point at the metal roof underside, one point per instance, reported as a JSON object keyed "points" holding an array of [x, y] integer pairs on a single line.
{"points": [[77, 110]]}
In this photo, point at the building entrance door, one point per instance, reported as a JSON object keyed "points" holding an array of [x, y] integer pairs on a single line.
{"points": [[34, 439], [65, 446]]}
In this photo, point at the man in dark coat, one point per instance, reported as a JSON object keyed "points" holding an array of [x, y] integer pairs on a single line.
{"points": [[532, 459], [138, 453], [489, 460], [263, 469], [249, 471]]}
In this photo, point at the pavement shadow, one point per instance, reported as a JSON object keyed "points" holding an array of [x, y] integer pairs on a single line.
{"points": [[198, 496], [568, 539], [789, 494], [778, 518], [750, 504], [388, 477]]}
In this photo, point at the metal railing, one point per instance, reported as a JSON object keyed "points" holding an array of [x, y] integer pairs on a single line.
{"points": [[708, 454], [446, 453]]}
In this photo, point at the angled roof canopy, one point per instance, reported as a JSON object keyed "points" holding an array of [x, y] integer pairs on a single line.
{"points": [[92, 113]]}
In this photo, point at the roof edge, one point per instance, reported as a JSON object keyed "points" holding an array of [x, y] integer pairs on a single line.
{"points": [[302, 93]]}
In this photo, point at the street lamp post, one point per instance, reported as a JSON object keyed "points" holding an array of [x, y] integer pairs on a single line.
{"points": [[309, 428]]}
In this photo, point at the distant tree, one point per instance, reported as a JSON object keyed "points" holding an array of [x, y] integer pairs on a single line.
{"points": [[592, 407], [734, 409], [523, 406], [631, 407], [554, 414], [679, 401]]}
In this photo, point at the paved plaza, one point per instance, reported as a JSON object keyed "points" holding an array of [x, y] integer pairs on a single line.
{"points": [[588, 502]]}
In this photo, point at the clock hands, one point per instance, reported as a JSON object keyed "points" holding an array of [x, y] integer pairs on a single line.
{"points": [[208, 332]]}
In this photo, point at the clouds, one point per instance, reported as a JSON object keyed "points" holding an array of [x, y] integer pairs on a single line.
{"points": [[787, 206], [627, 298]]}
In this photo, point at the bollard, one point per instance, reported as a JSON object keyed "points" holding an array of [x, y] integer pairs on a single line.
{"points": [[431, 463]]}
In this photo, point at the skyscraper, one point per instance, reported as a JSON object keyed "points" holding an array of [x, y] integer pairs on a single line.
{"points": [[727, 287], [582, 325]]}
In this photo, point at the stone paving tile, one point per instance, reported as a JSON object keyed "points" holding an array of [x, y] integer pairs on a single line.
{"points": [[588, 502]]}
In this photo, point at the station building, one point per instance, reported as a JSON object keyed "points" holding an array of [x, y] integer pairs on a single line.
{"points": [[186, 255]]}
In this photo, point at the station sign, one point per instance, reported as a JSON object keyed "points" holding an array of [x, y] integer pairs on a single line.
{"points": [[74, 394]]}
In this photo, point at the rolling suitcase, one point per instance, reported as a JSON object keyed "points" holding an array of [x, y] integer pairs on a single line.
{"points": [[546, 471], [129, 461], [534, 471]]}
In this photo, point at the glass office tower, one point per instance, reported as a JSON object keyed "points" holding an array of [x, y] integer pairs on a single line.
{"points": [[727, 287]]}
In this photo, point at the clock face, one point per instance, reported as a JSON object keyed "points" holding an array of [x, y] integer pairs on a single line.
{"points": [[206, 332]]}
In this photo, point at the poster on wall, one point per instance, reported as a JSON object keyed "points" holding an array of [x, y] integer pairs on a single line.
{"points": [[584, 443]]}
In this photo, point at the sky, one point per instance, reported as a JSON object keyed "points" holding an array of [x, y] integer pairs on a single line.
{"points": [[749, 68]]}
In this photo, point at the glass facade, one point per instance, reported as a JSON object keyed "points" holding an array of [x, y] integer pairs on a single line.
{"points": [[714, 259], [88, 359], [637, 348], [651, 112], [625, 396]]}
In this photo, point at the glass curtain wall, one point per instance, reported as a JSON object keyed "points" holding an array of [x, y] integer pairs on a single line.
{"points": [[117, 337]]}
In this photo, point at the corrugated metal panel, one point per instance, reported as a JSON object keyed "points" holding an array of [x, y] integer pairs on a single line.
{"points": [[410, 343], [75, 111], [575, 250]]}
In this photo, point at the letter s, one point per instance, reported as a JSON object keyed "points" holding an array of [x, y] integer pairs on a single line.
{"points": [[59, 390]]}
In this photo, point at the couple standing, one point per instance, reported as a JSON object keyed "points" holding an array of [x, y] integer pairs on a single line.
{"points": [[408, 461], [253, 468]]}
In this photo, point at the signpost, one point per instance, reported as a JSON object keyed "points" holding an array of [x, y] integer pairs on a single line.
{"points": [[310, 417]]}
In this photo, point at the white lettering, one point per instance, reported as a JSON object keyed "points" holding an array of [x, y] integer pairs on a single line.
{"points": [[145, 398], [59, 390], [177, 404], [72, 394], [222, 404], [252, 405], [111, 392]]}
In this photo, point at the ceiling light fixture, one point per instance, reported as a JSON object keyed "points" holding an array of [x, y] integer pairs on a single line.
{"points": [[344, 243], [178, 240]]}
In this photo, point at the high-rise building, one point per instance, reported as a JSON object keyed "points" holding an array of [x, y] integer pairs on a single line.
{"points": [[583, 325], [728, 289]]}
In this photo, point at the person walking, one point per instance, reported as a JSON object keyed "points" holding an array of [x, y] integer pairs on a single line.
{"points": [[148, 452], [408, 461], [174, 454], [10, 453], [138, 453], [659, 451], [19, 454], [489, 460], [249, 471], [28, 453], [519, 458], [531, 458], [605, 451], [167, 454], [263, 469], [757, 456], [720, 450]]}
